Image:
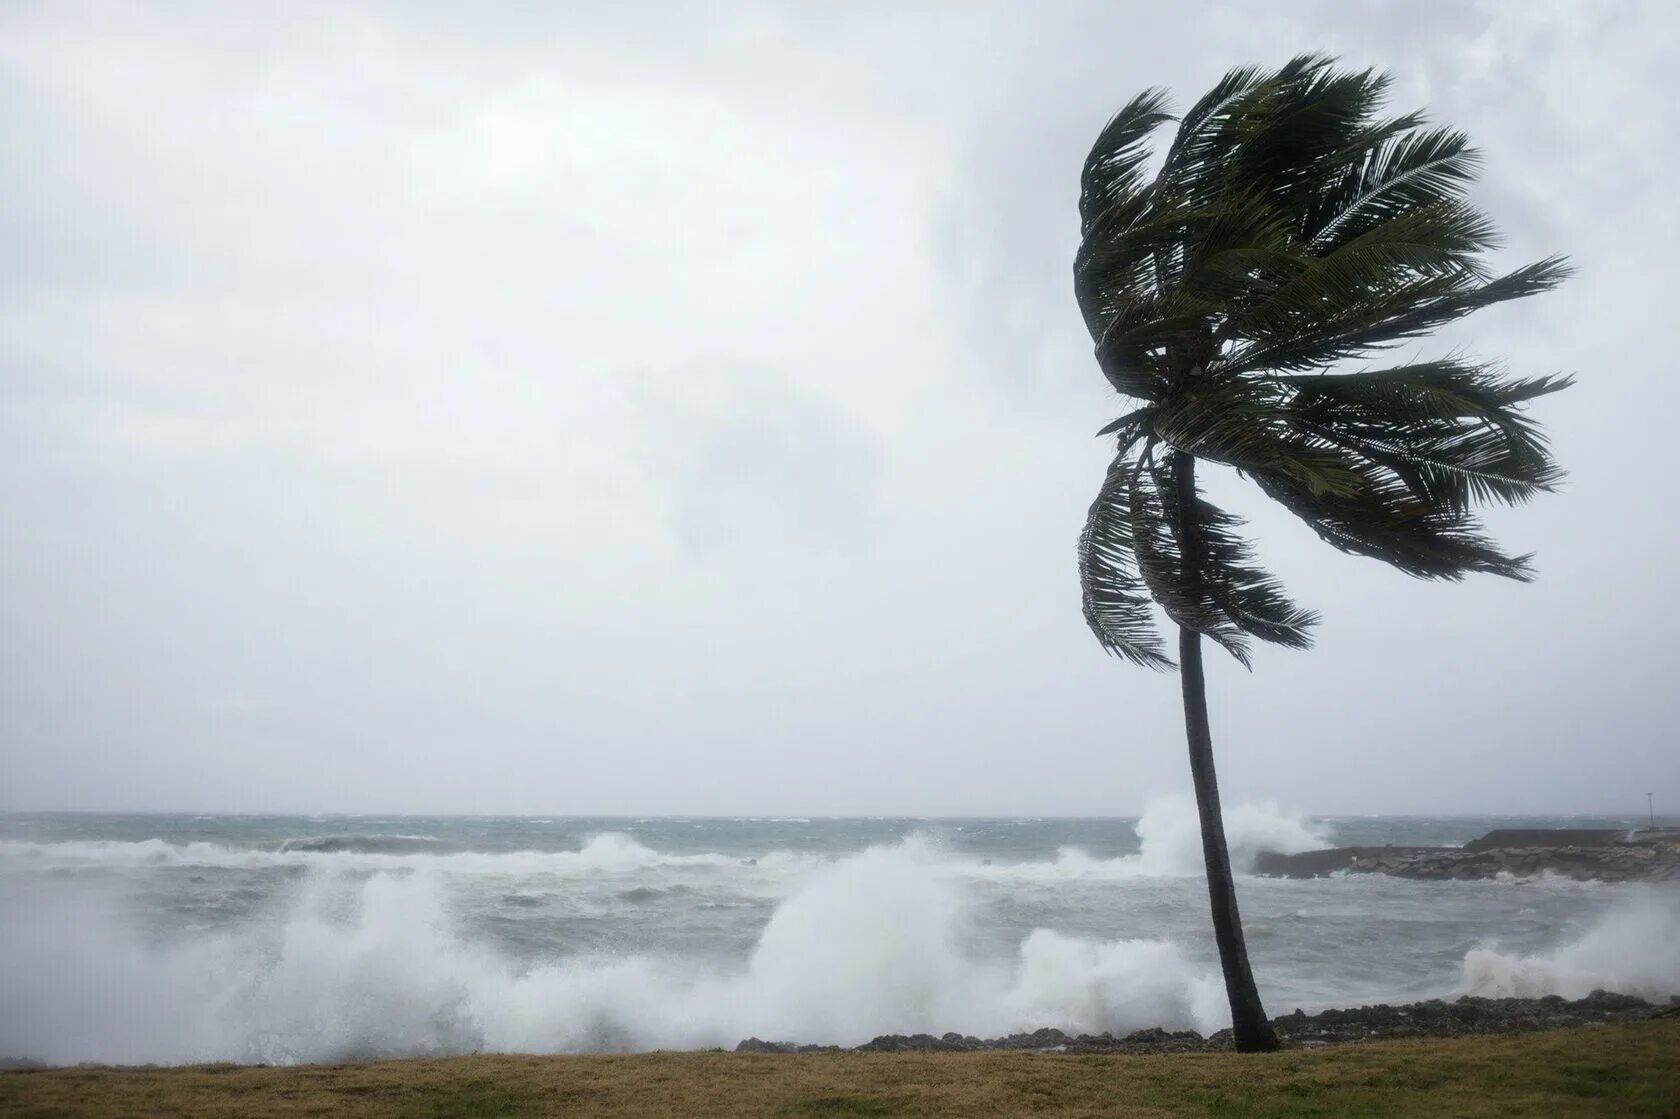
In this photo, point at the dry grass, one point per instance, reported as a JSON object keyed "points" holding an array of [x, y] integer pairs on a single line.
{"points": [[1626, 1070]]}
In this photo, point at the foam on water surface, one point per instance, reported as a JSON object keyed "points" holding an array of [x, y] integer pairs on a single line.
{"points": [[173, 949]]}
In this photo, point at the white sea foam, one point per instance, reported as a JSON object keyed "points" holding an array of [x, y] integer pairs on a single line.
{"points": [[871, 943], [1168, 833], [376, 966], [366, 953], [1633, 949], [607, 852]]}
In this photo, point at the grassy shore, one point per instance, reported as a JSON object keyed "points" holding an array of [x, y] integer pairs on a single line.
{"points": [[1622, 1070]]}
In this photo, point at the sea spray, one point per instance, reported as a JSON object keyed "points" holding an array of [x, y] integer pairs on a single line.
{"points": [[1085, 986], [346, 968], [608, 851], [875, 938], [1632, 949], [1171, 835], [373, 966], [145, 940], [1168, 837]]}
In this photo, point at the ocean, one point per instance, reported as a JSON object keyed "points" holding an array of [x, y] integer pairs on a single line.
{"points": [[281, 939]]}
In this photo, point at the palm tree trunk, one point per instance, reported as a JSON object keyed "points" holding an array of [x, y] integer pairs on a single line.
{"points": [[1251, 1029]]}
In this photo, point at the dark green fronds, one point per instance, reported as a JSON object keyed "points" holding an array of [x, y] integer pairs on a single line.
{"points": [[1404, 173], [1114, 169], [1312, 325], [1453, 433], [1194, 163], [1291, 228], [1445, 389], [1386, 523], [1127, 427], [1116, 602], [1200, 571], [1244, 425]]}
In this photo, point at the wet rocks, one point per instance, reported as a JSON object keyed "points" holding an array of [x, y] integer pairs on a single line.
{"points": [[927, 1043], [1155, 1040], [1464, 1016], [755, 1045], [1434, 1018]]}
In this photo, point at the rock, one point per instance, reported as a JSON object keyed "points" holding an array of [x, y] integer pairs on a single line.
{"points": [[1610, 859], [1432, 1018], [1154, 1033], [899, 1043], [1608, 1000], [1038, 1039]]}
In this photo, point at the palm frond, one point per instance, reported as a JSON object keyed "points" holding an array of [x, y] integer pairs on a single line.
{"points": [[1137, 348], [1116, 602], [1204, 132], [1460, 467], [1409, 171], [1114, 168], [1530, 279], [1303, 129], [1448, 388], [1387, 522], [1202, 572], [1127, 428], [1414, 306], [1353, 279], [1453, 432], [1244, 425]]}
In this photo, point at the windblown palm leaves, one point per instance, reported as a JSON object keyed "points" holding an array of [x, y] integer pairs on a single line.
{"points": [[1289, 231]]}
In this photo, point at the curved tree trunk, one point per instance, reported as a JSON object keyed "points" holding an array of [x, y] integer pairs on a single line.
{"points": [[1252, 1029]]}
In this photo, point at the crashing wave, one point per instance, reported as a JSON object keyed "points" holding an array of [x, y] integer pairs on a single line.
{"points": [[1168, 834], [871, 944], [1633, 949], [375, 844]]}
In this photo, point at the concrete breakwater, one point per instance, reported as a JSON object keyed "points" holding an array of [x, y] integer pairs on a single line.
{"points": [[1599, 855]]}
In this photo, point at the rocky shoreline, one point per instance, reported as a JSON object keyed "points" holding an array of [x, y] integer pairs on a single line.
{"points": [[1435, 1018], [1580, 855]]}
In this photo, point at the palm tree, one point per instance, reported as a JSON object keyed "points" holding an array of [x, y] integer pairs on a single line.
{"points": [[1289, 230]]}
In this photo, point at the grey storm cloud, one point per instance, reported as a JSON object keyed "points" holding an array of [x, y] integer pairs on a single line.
{"points": [[647, 408]]}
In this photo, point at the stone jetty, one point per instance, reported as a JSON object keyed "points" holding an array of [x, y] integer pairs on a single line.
{"points": [[1602, 855]]}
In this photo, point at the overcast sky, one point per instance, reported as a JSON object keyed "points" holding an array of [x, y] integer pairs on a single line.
{"points": [[620, 408]]}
